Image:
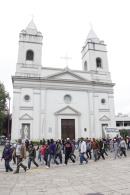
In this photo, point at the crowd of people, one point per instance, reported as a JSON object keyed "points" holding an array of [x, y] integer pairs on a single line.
{"points": [[60, 151]]}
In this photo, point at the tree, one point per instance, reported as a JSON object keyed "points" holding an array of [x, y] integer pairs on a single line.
{"points": [[123, 133], [3, 106]]}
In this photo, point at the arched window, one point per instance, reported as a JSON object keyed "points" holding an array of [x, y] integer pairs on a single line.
{"points": [[99, 62], [30, 55], [85, 66]]}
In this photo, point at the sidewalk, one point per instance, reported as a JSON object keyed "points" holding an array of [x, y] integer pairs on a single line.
{"points": [[105, 177]]}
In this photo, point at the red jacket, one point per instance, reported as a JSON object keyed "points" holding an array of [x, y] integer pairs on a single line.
{"points": [[43, 150]]}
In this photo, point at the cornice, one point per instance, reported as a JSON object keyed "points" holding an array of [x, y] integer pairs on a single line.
{"points": [[87, 44], [52, 68], [68, 88], [63, 81], [77, 71], [30, 42], [26, 107], [104, 110]]}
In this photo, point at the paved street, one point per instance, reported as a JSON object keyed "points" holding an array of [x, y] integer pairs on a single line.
{"points": [[111, 177]]}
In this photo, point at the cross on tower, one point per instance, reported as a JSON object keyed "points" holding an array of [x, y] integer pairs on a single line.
{"points": [[66, 58], [91, 26], [32, 16]]}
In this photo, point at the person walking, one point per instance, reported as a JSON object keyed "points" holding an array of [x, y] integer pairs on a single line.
{"points": [[14, 153], [123, 147], [7, 156], [68, 151], [88, 148], [111, 145], [58, 151], [20, 155], [101, 150], [42, 151], [83, 151], [95, 148], [116, 148], [32, 155], [73, 149], [51, 153]]}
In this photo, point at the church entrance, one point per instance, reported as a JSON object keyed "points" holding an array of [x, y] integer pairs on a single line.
{"points": [[68, 128]]}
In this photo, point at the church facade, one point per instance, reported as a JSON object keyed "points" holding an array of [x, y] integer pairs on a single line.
{"points": [[60, 103]]}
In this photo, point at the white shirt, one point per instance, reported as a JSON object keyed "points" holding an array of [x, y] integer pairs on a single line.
{"points": [[18, 150], [123, 144], [83, 147]]}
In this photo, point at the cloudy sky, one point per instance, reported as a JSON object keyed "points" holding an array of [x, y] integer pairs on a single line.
{"points": [[65, 25]]}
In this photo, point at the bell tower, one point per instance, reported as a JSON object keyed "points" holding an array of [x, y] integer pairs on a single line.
{"points": [[30, 51], [94, 54]]}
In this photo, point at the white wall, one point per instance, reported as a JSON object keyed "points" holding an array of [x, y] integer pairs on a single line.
{"points": [[55, 102]]}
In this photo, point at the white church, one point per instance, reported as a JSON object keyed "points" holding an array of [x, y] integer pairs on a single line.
{"points": [[59, 103]]}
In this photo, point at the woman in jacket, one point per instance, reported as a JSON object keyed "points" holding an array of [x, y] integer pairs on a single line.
{"points": [[7, 156]]}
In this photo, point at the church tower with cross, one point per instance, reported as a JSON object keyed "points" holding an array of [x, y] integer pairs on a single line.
{"points": [[58, 103], [94, 54], [30, 51]]}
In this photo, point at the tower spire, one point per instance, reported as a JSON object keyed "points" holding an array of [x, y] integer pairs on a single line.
{"points": [[92, 35], [31, 25]]}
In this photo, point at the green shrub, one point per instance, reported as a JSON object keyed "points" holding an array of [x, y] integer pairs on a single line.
{"points": [[36, 142], [123, 133]]}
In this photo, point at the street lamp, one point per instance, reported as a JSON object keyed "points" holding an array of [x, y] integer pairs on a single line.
{"points": [[8, 130]]}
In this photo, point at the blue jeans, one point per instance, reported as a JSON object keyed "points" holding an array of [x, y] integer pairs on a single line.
{"points": [[95, 154], [82, 158], [7, 166], [31, 160], [51, 156]]}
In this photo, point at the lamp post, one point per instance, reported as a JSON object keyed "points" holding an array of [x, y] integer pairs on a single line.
{"points": [[8, 130]]}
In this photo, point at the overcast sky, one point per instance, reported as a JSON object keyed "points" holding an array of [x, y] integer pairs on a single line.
{"points": [[65, 25]]}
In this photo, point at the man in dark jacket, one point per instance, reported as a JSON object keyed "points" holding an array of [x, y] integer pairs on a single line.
{"points": [[68, 151], [7, 156], [32, 155], [101, 150]]}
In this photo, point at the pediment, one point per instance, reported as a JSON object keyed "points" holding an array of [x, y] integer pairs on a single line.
{"points": [[26, 117], [104, 118], [67, 111], [66, 75]]}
